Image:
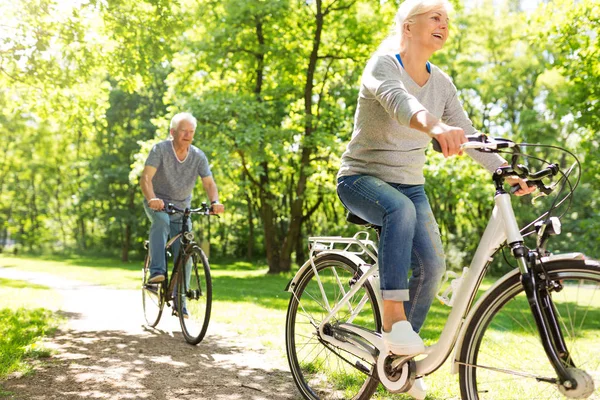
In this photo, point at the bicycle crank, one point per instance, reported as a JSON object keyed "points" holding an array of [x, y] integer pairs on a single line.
{"points": [[396, 379]]}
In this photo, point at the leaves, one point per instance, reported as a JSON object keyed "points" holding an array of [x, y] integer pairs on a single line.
{"points": [[87, 89]]}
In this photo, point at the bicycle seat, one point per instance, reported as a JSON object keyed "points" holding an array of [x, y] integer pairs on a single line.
{"points": [[355, 219]]}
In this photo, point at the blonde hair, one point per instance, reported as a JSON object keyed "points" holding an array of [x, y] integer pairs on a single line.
{"points": [[406, 14]]}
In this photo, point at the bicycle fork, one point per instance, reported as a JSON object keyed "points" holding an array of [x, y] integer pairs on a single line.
{"points": [[538, 290]]}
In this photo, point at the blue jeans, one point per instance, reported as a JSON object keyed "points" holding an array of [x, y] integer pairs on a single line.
{"points": [[162, 227], [410, 239]]}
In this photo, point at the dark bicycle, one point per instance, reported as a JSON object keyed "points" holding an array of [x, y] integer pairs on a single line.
{"points": [[191, 298]]}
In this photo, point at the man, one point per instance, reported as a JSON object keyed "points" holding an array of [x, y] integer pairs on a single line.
{"points": [[169, 176]]}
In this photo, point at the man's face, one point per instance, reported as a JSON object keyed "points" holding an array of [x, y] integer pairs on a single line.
{"points": [[183, 134]]}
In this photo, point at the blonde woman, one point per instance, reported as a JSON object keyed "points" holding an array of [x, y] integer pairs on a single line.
{"points": [[404, 101]]}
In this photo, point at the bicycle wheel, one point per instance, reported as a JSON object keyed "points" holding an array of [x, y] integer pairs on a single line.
{"points": [[152, 296], [194, 299], [502, 353], [321, 370]]}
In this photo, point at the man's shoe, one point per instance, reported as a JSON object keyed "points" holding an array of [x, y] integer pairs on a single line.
{"points": [[156, 278], [418, 390], [403, 341], [186, 315]]}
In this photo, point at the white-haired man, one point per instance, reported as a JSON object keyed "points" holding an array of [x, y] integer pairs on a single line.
{"points": [[169, 176]]}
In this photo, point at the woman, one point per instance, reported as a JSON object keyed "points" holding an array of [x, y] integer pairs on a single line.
{"points": [[402, 102]]}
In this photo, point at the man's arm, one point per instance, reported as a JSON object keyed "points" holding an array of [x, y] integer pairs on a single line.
{"points": [[213, 194], [148, 190]]}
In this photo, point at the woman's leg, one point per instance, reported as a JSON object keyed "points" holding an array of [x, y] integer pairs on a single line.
{"points": [[382, 204], [428, 260]]}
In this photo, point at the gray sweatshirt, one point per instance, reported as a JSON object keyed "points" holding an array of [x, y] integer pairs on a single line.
{"points": [[382, 143]]}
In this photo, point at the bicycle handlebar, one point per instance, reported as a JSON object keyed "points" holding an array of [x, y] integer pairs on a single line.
{"points": [[483, 143], [204, 209], [479, 142]]}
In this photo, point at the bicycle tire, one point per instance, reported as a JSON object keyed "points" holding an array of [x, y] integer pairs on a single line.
{"points": [[196, 298], [502, 334], [316, 375], [153, 299]]}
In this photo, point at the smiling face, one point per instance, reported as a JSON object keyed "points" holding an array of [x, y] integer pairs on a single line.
{"points": [[183, 134], [429, 30]]}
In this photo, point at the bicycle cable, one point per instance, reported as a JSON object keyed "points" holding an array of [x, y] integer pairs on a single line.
{"points": [[564, 180], [525, 231]]}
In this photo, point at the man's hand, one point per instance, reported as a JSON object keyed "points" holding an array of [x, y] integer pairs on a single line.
{"points": [[524, 189], [217, 208], [156, 204], [450, 138]]}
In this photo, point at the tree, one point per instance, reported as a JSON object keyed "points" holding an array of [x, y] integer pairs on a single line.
{"points": [[277, 88]]}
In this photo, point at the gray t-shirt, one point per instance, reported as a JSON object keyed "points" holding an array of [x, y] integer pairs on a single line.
{"points": [[382, 143], [174, 180]]}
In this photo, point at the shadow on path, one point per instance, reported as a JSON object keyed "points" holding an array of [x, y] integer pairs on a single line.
{"points": [[104, 351], [155, 365]]}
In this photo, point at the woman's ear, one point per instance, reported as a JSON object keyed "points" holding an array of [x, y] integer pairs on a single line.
{"points": [[406, 30]]}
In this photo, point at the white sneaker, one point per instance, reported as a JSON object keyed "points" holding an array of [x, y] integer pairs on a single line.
{"points": [[403, 341], [418, 389]]}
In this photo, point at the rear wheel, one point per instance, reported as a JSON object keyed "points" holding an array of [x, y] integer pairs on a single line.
{"points": [[321, 370], [194, 298], [502, 355], [152, 296]]}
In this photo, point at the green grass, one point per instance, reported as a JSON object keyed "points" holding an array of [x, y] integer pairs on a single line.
{"points": [[23, 325]]}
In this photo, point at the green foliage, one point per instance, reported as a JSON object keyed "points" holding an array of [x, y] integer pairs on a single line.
{"points": [[87, 89]]}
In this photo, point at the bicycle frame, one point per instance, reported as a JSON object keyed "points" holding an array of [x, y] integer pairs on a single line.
{"points": [[501, 227], [185, 245]]}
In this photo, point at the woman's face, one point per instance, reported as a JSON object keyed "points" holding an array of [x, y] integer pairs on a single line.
{"points": [[430, 30]]}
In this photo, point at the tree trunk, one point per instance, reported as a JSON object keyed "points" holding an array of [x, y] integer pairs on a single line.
{"points": [[271, 237], [126, 244], [250, 219], [295, 225]]}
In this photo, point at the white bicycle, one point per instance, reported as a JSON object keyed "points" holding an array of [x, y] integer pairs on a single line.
{"points": [[535, 333]]}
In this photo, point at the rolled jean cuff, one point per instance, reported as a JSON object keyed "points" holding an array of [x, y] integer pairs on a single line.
{"points": [[395, 295]]}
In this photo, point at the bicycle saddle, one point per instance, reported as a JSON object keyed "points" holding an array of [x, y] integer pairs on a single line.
{"points": [[355, 219]]}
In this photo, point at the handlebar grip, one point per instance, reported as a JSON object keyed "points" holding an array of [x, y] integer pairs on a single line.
{"points": [[514, 188], [436, 145], [551, 169], [478, 137]]}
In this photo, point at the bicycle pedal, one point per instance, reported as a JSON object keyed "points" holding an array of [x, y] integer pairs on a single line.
{"points": [[361, 367]]}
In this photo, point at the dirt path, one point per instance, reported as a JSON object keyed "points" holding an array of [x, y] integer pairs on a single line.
{"points": [[104, 351]]}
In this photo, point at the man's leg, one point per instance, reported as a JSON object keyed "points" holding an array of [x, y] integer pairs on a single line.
{"points": [[175, 230], [159, 231]]}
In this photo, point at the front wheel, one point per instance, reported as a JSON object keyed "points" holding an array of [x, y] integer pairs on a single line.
{"points": [[502, 355], [152, 296], [194, 296], [321, 370]]}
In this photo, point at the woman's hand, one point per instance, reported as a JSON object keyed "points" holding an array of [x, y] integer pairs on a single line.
{"points": [[449, 137], [522, 183]]}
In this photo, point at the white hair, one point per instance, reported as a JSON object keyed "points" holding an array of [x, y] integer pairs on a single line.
{"points": [[184, 116], [406, 14]]}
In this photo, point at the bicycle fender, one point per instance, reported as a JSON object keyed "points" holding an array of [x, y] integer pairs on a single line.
{"points": [[510, 275]]}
